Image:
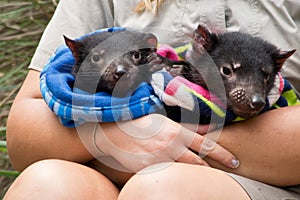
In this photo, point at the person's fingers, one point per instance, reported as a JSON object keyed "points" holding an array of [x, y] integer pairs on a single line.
{"points": [[201, 129], [223, 156], [204, 128], [191, 158], [207, 147]]}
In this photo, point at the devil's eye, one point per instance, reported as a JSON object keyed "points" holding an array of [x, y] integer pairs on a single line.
{"points": [[226, 71], [266, 76], [95, 58], [136, 56]]}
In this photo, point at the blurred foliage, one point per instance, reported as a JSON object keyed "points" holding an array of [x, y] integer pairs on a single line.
{"points": [[21, 26]]}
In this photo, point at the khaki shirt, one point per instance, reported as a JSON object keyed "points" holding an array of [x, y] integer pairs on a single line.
{"points": [[277, 21]]}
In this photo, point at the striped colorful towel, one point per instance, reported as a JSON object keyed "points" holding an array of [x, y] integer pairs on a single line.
{"points": [[204, 105]]}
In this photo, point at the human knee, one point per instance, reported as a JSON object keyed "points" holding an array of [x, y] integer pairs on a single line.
{"points": [[182, 181], [58, 179], [168, 182], [43, 177], [142, 186], [46, 172]]}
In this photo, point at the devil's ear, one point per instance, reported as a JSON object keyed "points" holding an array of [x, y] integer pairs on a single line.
{"points": [[73, 46], [205, 38], [281, 56]]}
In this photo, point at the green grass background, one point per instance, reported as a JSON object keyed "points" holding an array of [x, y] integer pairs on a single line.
{"points": [[22, 23]]}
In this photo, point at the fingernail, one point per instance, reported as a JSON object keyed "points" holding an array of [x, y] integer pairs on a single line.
{"points": [[235, 163]]}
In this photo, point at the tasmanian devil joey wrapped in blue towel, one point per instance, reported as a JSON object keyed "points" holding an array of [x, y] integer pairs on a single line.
{"points": [[114, 62]]}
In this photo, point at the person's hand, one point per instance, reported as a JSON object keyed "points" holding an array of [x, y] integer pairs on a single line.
{"points": [[156, 139]]}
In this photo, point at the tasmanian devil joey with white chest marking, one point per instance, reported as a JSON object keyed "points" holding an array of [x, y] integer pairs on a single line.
{"points": [[246, 65], [114, 62]]}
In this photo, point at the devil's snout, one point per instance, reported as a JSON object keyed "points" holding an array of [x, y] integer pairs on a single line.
{"points": [[257, 102], [246, 104], [120, 70]]}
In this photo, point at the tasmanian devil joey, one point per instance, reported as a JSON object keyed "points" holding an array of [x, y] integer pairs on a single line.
{"points": [[246, 65], [114, 62]]}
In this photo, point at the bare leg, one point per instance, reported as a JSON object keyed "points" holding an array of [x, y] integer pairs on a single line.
{"points": [[183, 181], [57, 179]]}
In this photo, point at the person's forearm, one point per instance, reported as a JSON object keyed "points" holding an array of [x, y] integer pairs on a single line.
{"points": [[267, 146]]}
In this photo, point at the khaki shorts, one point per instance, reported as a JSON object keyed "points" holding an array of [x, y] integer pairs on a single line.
{"points": [[260, 191]]}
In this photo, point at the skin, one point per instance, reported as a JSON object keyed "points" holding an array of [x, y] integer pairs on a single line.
{"points": [[267, 147], [62, 180], [195, 177], [68, 180], [267, 151]]}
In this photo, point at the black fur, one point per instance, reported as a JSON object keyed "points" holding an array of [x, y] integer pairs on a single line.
{"points": [[114, 62], [245, 66]]}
